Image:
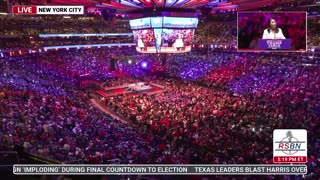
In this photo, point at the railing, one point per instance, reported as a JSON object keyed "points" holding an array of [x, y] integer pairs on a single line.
{"points": [[41, 159]]}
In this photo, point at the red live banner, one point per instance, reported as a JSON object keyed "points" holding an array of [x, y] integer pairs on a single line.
{"points": [[24, 9], [291, 159]]}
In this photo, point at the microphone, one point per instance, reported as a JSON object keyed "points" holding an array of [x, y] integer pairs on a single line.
{"points": [[289, 136]]}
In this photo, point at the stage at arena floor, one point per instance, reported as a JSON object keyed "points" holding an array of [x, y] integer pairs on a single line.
{"points": [[138, 87], [133, 89]]}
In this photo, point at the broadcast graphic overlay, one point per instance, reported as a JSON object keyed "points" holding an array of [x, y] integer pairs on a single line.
{"points": [[160, 169], [48, 10], [272, 31], [290, 146]]}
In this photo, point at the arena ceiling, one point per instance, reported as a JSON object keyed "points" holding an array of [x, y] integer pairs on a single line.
{"points": [[122, 6], [141, 4]]}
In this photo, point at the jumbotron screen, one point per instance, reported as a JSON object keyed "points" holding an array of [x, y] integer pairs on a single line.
{"points": [[163, 34]]}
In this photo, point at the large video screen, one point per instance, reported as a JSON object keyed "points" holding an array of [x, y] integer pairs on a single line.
{"points": [[272, 31], [156, 22], [164, 22], [174, 22], [176, 40], [163, 40], [140, 23], [145, 40], [163, 34]]}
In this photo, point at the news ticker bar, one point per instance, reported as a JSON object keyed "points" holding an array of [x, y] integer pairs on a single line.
{"points": [[156, 169], [47, 10]]}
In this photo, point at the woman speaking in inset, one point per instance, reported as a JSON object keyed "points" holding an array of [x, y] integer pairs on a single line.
{"points": [[273, 32]]}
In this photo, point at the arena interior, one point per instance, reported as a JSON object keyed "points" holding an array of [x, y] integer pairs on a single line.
{"points": [[96, 99]]}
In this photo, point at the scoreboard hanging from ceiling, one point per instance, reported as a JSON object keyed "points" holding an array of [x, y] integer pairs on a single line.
{"points": [[163, 34]]}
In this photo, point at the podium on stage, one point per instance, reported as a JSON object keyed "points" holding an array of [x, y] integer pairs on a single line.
{"points": [[274, 44]]}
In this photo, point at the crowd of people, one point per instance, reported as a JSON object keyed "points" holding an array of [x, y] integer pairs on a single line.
{"points": [[301, 5], [302, 89], [313, 39], [186, 66], [33, 26], [265, 77], [216, 33], [51, 21], [37, 42], [239, 66], [43, 110], [202, 125]]}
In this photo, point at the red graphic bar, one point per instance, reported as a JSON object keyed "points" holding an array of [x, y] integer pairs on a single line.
{"points": [[289, 159], [24, 9]]}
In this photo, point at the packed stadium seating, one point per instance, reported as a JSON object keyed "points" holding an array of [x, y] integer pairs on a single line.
{"points": [[209, 33], [45, 112], [36, 42], [32, 26]]}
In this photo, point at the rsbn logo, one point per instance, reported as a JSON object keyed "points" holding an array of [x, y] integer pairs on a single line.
{"points": [[290, 146]]}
